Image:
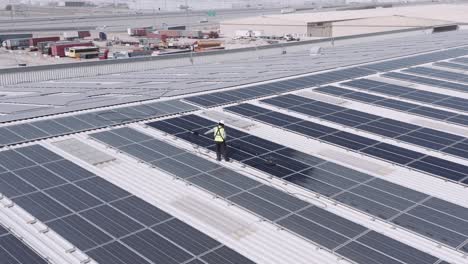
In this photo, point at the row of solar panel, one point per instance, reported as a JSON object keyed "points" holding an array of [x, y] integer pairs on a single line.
{"points": [[463, 60], [316, 224], [437, 73], [427, 81], [252, 92], [101, 219], [413, 94], [415, 60], [452, 65], [382, 210], [429, 112], [406, 132], [374, 196], [13, 251], [262, 90], [412, 159], [15, 134]]}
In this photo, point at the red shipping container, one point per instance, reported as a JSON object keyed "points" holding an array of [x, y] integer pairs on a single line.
{"points": [[170, 33], [33, 41], [59, 49], [84, 34]]}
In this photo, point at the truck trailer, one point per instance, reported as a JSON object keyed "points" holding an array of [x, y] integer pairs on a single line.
{"points": [[33, 41], [13, 44]]}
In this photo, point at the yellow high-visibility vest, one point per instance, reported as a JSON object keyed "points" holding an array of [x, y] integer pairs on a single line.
{"points": [[219, 134]]}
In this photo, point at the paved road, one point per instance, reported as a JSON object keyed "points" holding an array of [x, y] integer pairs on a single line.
{"points": [[120, 22]]}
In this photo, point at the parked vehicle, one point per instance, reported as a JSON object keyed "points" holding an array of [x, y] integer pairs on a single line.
{"points": [[13, 44], [58, 49], [4, 37], [83, 52]]}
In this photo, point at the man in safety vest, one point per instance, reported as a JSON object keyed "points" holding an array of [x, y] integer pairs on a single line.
{"points": [[220, 139]]}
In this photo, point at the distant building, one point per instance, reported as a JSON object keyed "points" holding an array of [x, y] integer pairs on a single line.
{"points": [[326, 24]]}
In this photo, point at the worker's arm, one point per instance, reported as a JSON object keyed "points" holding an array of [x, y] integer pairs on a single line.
{"points": [[209, 131]]}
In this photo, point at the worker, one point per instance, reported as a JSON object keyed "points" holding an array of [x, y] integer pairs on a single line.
{"points": [[220, 140]]}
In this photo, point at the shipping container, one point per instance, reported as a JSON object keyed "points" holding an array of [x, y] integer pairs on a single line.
{"points": [[70, 34], [4, 37], [181, 33], [58, 49], [33, 41], [84, 34], [12, 44], [138, 32]]}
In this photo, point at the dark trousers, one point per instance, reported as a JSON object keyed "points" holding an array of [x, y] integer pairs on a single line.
{"points": [[221, 149]]}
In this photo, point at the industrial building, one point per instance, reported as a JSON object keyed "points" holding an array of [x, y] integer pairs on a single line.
{"points": [[353, 154], [351, 22]]}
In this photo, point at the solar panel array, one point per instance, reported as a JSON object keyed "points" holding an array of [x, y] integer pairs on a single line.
{"points": [[104, 221], [324, 228], [428, 81], [414, 60], [391, 128], [252, 92], [463, 60], [261, 90], [441, 74], [452, 65], [15, 134], [413, 94], [13, 251], [361, 191], [431, 165], [410, 108]]}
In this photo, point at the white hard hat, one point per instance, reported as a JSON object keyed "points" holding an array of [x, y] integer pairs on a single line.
{"points": [[221, 122]]}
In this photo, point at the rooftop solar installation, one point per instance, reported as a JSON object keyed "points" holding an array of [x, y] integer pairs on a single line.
{"points": [[428, 81], [104, 221], [410, 108], [422, 96], [437, 73], [435, 166], [452, 65], [463, 60], [14, 251], [15, 134], [252, 92], [324, 228], [391, 128], [136, 202]]}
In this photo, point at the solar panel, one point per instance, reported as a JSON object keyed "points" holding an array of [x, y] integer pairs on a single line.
{"points": [[14, 251], [412, 134], [463, 60], [442, 74], [15, 134], [228, 97], [414, 60], [399, 155], [451, 65], [94, 215], [318, 225], [422, 96], [436, 114]]}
